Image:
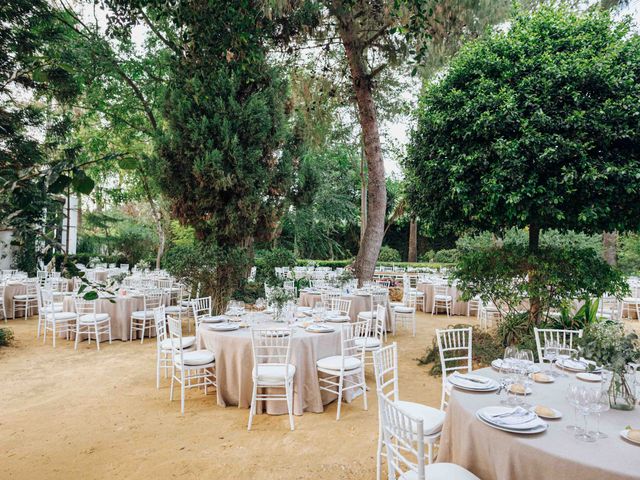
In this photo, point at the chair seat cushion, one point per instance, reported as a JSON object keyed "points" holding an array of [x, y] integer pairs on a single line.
{"points": [[91, 318], [367, 342], [432, 418], [335, 363], [24, 296], [142, 314], [443, 297], [396, 304], [441, 471], [367, 314], [198, 357], [404, 309], [55, 309], [176, 309], [187, 342], [273, 373], [61, 316]]}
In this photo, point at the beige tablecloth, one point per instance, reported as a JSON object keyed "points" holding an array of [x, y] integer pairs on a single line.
{"points": [[359, 303], [459, 307], [10, 290], [119, 309], [234, 364], [555, 454]]}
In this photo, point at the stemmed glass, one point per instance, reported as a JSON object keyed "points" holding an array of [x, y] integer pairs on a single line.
{"points": [[572, 399], [550, 353], [599, 406], [585, 399], [506, 381]]}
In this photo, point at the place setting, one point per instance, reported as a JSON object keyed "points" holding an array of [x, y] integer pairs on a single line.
{"points": [[472, 382], [512, 419]]}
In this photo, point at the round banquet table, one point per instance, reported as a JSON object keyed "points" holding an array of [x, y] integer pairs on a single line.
{"points": [[234, 364], [555, 454], [119, 309], [359, 303], [459, 307], [11, 289]]}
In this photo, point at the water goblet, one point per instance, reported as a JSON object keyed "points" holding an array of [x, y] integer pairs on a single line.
{"points": [[550, 353], [584, 400], [572, 400], [598, 407]]}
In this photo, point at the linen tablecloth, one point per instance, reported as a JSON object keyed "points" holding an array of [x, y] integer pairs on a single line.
{"points": [[119, 310], [459, 307], [359, 303], [555, 454], [234, 364], [11, 289]]}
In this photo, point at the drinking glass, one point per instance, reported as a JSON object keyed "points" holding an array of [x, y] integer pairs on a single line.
{"points": [[505, 381], [598, 407], [585, 399], [572, 399], [550, 353]]}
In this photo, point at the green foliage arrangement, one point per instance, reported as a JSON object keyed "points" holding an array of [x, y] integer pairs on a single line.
{"points": [[6, 337], [267, 262]]}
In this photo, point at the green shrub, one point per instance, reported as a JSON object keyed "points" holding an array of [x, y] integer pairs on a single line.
{"points": [[629, 253], [388, 254], [446, 256], [6, 337], [249, 292], [427, 256], [267, 261]]}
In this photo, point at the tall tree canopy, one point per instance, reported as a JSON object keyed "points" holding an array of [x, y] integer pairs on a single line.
{"points": [[534, 127]]}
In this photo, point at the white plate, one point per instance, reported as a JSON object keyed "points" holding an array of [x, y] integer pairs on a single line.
{"points": [[625, 434], [216, 319], [589, 377], [495, 410], [342, 319], [319, 329], [224, 327], [557, 414], [550, 379], [560, 363], [459, 382]]}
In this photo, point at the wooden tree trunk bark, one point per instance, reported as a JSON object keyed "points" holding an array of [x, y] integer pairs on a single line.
{"points": [[413, 241], [610, 247], [376, 190], [535, 309]]}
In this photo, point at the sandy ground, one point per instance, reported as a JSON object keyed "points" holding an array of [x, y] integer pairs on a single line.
{"points": [[87, 414]]}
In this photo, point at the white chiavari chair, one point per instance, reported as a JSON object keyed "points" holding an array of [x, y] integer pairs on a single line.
{"points": [[405, 314], [174, 305], [441, 299], [90, 321], [191, 369], [272, 369], [374, 338], [201, 308], [339, 309], [163, 344], [385, 362], [345, 371], [3, 307], [474, 305], [53, 319], [26, 301], [142, 320], [456, 353], [404, 442], [378, 297], [560, 338]]}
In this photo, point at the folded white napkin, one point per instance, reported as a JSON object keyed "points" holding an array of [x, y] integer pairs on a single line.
{"points": [[517, 416], [472, 379], [574, 364]]}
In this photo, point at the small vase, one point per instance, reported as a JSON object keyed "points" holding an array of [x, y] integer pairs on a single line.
{"points": [[622, 390]]}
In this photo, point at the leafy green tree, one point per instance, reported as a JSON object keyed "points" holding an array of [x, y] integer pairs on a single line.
{"points": [[534, 127]]}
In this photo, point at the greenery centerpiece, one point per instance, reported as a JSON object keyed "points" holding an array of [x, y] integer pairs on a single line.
{"points": [[607, 344], [278, 298]]}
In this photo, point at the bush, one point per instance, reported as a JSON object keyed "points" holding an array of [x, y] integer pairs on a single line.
{"points": [[427, 256], [388, 254], [629, 253], [446, 256], [267, 261], [249, 292], [6, 337]]}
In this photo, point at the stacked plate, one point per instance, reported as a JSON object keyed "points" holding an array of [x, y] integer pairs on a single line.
{"points": [[471, 382], [319, 328], [210, 319], [572, 365], [513, 420], [224, 327]]}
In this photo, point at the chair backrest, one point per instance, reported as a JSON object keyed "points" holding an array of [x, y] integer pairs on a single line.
{"points": [[328, 297], [201, 307], [378, 297], [404, 441], [385, 365], [456, 350], [160, 320], [164, 283], [340, 305], [271, 345], [175, 334], [348, 333], [153, 299], [379, 326], [441, 289], [85, 307], [562, 338], [289, 286], [410, 298]]}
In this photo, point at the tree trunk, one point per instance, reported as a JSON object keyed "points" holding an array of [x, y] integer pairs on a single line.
{"points": [[535, 309], [609, 246], [363, 197], [376, 191], [413, 241]]}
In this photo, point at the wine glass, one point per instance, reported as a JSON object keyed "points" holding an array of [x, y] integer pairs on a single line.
{"points": [[550, 353], [585, 398], [510, 356], [599, 406], [572, 399], [505, 382]]}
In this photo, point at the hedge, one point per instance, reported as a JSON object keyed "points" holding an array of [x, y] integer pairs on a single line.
{"points": [[344, 263]]}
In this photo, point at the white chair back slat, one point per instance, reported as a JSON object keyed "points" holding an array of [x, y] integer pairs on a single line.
{"points": [[563, 338]]}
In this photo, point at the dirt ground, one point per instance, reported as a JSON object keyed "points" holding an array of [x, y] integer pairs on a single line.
{"points": [[68, 414]]}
